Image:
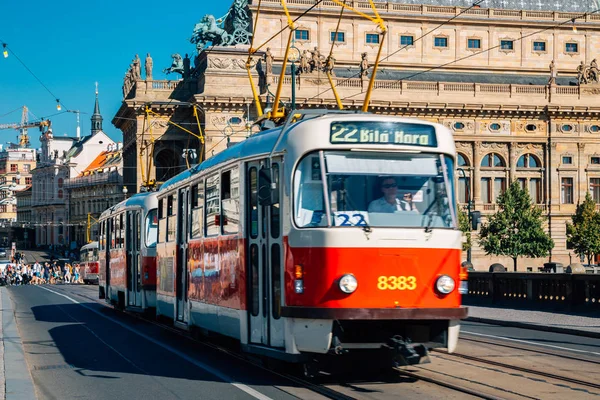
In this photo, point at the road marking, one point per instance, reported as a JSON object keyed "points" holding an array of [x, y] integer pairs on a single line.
{"points": [[533, 343], [225, 378]]}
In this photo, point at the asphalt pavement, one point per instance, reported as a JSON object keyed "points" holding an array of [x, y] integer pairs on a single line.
{"points": [[81, 349]]}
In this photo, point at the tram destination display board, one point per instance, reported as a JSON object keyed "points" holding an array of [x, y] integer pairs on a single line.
{"points": [[377, 132]]}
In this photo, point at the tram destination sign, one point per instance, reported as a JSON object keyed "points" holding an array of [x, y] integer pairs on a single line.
{"points": [[375, 132]]}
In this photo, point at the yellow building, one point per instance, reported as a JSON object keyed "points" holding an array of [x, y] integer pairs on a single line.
{"points": [[15, 175]]}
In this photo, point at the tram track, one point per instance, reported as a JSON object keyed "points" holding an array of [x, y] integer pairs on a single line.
{"points": [[323, 388]]}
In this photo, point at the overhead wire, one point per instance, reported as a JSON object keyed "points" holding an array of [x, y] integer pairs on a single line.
{"points": [[30, 71]]}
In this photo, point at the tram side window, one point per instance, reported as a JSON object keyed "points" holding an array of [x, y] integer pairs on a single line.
{"points": [[112, 233], [122, 225], [171, 218], [213, 211], [162, 222], [253, 182], [308, 187], [197, 210], [230, 201], [100, 233], [275, 211]]}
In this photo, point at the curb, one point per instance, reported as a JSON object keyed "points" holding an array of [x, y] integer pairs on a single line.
{"points": [[17, 378], [535, 327]]}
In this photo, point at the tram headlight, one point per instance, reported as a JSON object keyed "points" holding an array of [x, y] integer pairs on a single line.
{"points": [[445, 284], [348, 283]]}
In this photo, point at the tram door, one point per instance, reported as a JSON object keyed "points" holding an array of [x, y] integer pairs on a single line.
{"points": [[264, 261], [181, 303], [134, 297]]}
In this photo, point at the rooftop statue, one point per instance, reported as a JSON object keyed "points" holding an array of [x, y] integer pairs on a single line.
{"points": [[231, 29], [588, 74], [176, 66]]}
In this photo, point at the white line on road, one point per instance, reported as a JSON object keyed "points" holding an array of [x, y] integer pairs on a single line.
{"points": [[532, 343], [225, 378]]}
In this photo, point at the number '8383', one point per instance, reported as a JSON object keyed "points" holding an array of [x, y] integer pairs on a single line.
{"points": [[396, 283]]}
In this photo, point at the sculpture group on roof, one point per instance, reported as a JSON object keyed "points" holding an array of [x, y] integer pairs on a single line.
{"points": [[588, 73], [231, 29], [313, 61]]}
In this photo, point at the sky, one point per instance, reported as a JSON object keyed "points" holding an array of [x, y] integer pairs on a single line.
{"points": [[69, 45]]}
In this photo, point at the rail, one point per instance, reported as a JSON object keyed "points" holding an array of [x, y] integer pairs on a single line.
{"points": [[535, 290]]}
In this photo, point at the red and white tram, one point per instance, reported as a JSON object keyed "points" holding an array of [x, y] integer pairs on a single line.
{"points": [[127, 253], [335, 234], [88, 265]]}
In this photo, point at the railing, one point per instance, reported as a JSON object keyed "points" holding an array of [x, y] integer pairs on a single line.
{"points": [[535, 290], [97, 179], [394, 8]]}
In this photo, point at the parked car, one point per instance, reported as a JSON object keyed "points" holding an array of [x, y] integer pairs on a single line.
{"points": [[2, 253]]}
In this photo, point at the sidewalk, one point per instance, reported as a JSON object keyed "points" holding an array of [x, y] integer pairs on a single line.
{"points": [[581, 325], [15, 379]]}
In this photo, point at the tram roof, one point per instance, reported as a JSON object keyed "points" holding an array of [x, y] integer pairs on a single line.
{"points": [[137, 200], [262, 143]]}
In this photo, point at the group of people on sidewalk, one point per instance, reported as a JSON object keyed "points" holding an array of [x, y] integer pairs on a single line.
{"points": [[35, 274]]}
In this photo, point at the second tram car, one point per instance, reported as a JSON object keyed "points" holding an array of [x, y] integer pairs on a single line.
{"points": [[333, 235], [88, 265], [127, 253]]}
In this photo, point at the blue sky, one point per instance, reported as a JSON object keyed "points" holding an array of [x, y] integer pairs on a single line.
{"points": [[69, 45]]}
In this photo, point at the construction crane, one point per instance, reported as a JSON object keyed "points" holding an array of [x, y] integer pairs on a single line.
{"points": [[22, 127]]}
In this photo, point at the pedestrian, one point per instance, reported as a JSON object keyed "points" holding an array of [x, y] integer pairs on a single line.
{"points": [[77, 274]]}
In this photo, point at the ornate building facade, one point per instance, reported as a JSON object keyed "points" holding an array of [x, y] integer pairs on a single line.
{"points": [[504, 79], [15, 175], [61, 158]]}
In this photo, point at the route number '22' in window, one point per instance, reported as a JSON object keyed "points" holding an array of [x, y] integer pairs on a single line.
{"points": [[351, 218], [375, 132]]}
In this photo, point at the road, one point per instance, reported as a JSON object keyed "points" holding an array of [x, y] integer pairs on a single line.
{"points": [[76, 347]]}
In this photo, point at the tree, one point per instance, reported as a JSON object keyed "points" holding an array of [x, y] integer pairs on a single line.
{"points": [[465, 226], [583, 235], [515, 230]]}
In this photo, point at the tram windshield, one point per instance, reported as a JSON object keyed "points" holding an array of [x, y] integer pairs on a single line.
{"points": [[151, 228], [373, 189]]}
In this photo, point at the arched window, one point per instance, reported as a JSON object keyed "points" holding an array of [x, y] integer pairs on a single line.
{"points": [[462, 161], [492, 160], [528, 161], [493, 179]]}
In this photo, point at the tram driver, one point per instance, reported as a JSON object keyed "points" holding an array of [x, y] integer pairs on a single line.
{"points": [[389, 202]]}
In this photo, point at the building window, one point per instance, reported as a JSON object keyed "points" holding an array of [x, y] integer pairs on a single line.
{"points": [[458, 126], [539, 46], [14, 167], [474, 44], [530, 127], [595, 189], [372, 38], [566, 190], [567, 160], [507, 44], [594, 128], [495, 127], [407, 40], [571, 48], [338, 37], [535, 190], [528, 161], [491, 188], [302, 34], [440, 42], [60, 182], [492, 160], [16, 181], [462, 161], [28, 180], [595, 160], [26, 167]]}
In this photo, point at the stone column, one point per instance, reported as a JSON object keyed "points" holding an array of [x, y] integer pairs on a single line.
{"points": [[477, 172], [512, 163]]}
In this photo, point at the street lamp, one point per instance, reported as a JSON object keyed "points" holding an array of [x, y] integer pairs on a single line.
{"points": [[469, 202], [124, 192]]}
